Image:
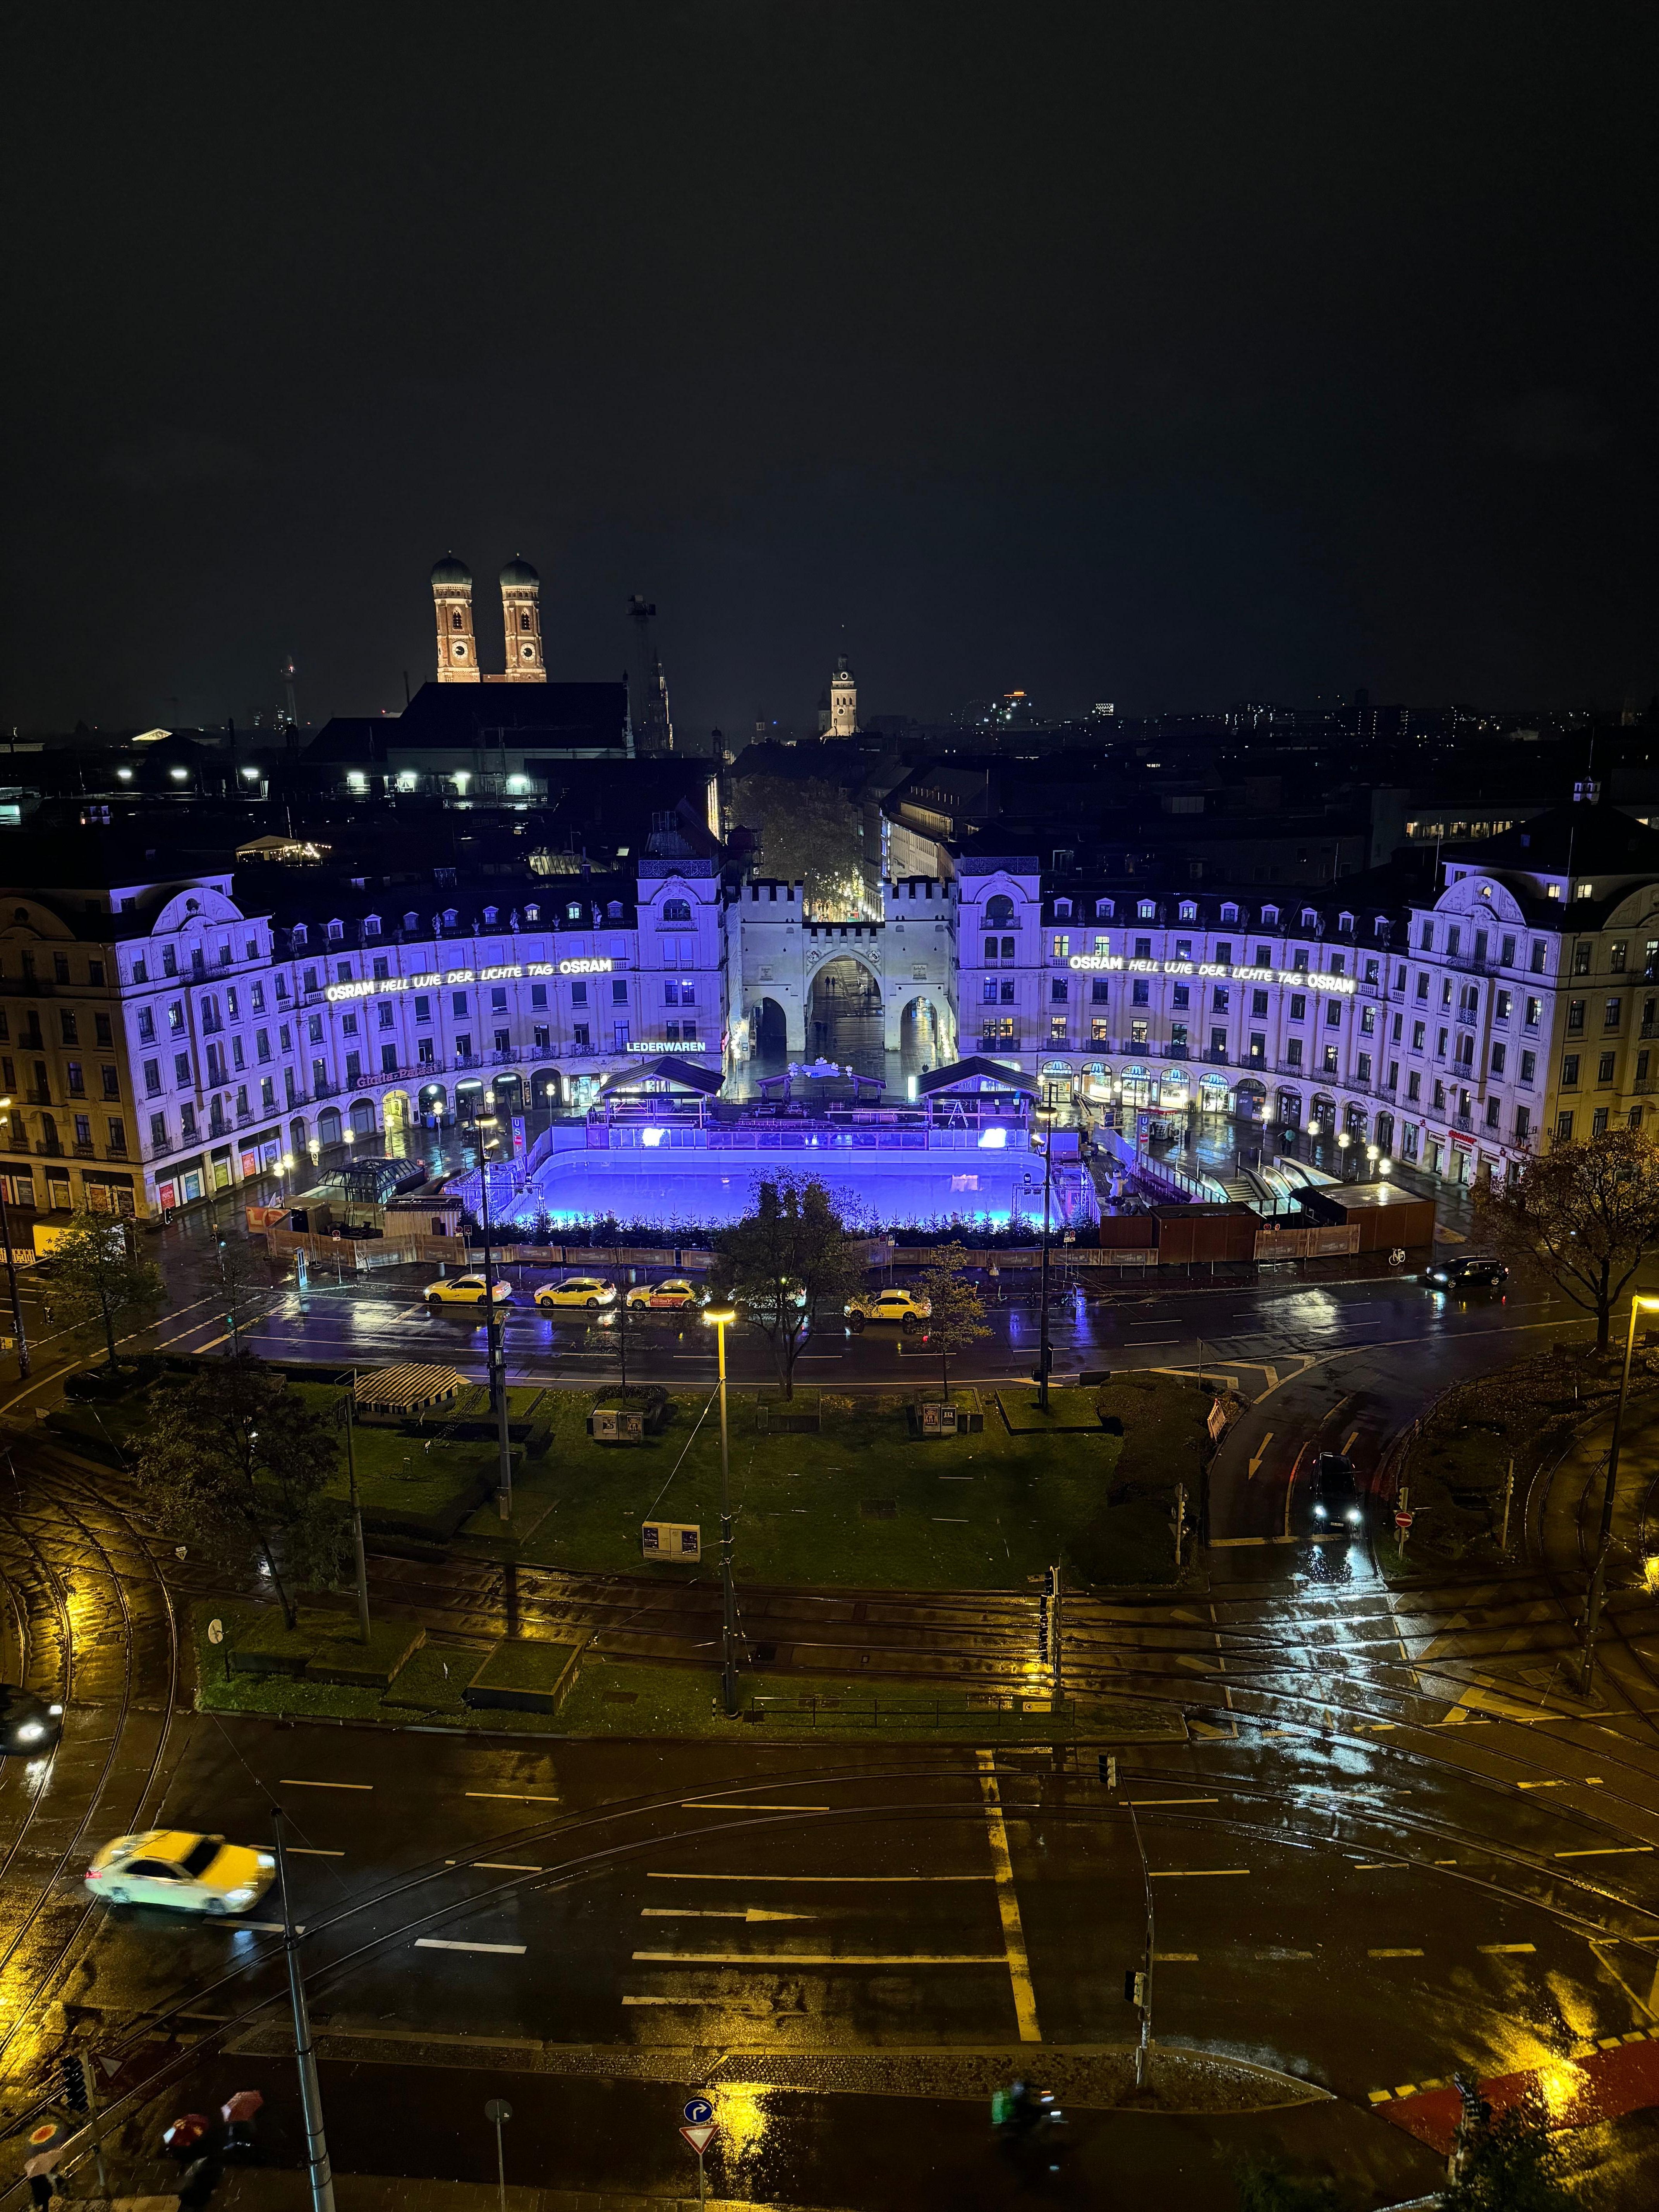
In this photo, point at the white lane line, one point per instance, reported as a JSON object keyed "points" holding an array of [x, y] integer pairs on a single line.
{"points": [[439, 1943], [1193, 1874], [1504, 1950], [513, 1796], [297, 1782], [712, 1805], [496, 1866], [311, 1852], [1394, 1955], [800, 1960], [1604, 1851], [255, 1927], [1175, 1800], [652, 1876], [749, 1912]]}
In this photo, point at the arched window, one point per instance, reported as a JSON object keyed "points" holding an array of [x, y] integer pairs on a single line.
{"points": [[677, 910], [1000, 912], [524, 622], [455, 619]]}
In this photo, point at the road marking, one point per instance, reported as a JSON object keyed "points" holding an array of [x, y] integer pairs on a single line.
{"points": [[1174, 1801], [1553, 1782], [652, 1876], [715, 1805], [1603, 1851], [1262, 1454], [295, 1782], [749, 1912], [513, 1796], [1504, 1950], [311, 1852], [440, 1943], [255, 1927], [1175, 1958], [1352, 1433], [1013, 1932], [799, 1958], [1192, 1873], [496, 1866], [1394, 1954], [1375, 1866]]}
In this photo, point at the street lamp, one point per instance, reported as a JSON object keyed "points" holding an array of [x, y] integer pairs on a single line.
{"points": [[11, 1271], [1598, 1580], [1343, 1141], [495, 1351], [719, 1319], [1373, 1153], [1385, 1166]]}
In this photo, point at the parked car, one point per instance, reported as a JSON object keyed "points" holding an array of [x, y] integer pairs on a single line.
{"points": [[675, 1295], [465, 1291], [587, 1291], [907, 1308]]}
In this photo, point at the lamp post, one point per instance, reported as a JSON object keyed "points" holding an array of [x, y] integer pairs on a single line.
{"points": [[11, 1271], [495, 1350], [1373, 1154], [1599, 1579], [719, 1319], [1343, 1141], [1043, 1353]]}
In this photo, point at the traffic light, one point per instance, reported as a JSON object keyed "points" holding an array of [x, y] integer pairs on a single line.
{"points": [[1108, 1769], [74, 2073], [1043, 1631], [1134, 1987], [1047, 1581]]}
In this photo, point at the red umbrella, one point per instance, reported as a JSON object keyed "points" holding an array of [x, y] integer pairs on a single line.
{"points": [[242, 2106], [185, 2132]]}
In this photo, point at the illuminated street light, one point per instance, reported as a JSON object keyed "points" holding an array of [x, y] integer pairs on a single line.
{"points": [[1598, 1581], [719, 1319]]}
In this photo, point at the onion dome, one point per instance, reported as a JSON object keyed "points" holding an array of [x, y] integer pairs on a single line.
{"points": [[449, 570], [519, 572]]}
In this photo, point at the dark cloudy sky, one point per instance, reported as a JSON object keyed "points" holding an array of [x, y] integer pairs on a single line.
{"points": [[1170, 354]]}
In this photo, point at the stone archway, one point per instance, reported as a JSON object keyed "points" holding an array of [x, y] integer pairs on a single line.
{"points": [[545, 1089], [922, 1032], [433, 1102], [328, 1126], [508, 1093], [362, 1117], [769, 1026], [844, 1011]]}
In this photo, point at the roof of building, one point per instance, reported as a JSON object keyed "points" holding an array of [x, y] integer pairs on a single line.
{"points": [[1582, 840], [666, 1068], [975, 1072], [518, 571], [472, 717], [449, 570]]}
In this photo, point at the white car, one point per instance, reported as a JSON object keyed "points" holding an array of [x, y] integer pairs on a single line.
{"points": [[176, 1867]]}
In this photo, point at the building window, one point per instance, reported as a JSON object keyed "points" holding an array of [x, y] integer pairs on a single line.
{"points": [[1298, 1005], [1575, 1017], [1539, 956], [1059, 990], [1414, 1087], [1140, 991], [1610, 1013], [1564, 1128], [1293, 1053], [1604, 1068], [1569, 1070], [1330, 1060], [1057, 1028]]}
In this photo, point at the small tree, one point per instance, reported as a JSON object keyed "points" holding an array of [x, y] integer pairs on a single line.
{"points": [[1584, 1213], [93, 1266], [1509, 2164], [235, 1462], [958, 1319], [781, 1260]]}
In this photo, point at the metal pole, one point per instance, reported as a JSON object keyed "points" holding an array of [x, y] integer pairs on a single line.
{"points": [[728, 1598], [1043, 1328], [1509, 1494], [495, 1351], [11, 1278], [305, 2054], [356, 1510], [1147, 1984], [90, 2076], [501, 2166], [1618, 1430]]}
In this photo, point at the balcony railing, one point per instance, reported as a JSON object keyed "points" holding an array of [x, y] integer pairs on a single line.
{"points": [[85, 1151], [49, 1148]]}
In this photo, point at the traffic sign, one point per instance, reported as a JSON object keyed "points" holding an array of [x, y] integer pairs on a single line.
{"points": [[215, 1632], [700, 2137], [1402, 1520], [699, 2110]]}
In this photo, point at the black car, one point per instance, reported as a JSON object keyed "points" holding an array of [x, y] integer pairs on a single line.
{"points": [[28, 1726], [1335, 1499], [1470, 1273]]}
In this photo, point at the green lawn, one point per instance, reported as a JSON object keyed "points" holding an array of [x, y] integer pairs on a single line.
{"points": [[863, 1502]]}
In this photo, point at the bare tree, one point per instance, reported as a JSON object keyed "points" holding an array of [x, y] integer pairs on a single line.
{"points": [[782, 1261], [958, 1319], [1584, 1214]]}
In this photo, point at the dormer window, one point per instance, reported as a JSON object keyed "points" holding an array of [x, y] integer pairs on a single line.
{"points": [[490, 913], [1270, 917], [411, 923], [1344, 924], [532, 913], [297, 934], [1062, 909], [371, 925], [451, 915], [1147, 910], [335, 931], [1309, 918], [613, 912], [1188, 910], [1229, 912], [1104, 910], [573, 913]]}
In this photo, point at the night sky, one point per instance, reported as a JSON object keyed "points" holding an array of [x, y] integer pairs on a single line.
{"points": [[1171, 354]]}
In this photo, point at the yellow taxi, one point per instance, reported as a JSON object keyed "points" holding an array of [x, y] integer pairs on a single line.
{"points": [[585, 1290], [904, 1307], [465, 1291], [178, 1867], [675, 1295]]}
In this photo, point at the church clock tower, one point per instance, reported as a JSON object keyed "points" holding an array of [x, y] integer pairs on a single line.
{"points": [[452, 600], [843, 702], [521, 623]]}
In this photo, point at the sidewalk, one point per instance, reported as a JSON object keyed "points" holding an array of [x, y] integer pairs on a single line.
{"points": [[257, 2189]]}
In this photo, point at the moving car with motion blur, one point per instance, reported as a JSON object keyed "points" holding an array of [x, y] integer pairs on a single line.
{"points": [[28, 1726], [465, 1291], [907, 1308], [176, 1867], [587, 1291], [675, 1295], [1472, 1272], [1335, 1501]]}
